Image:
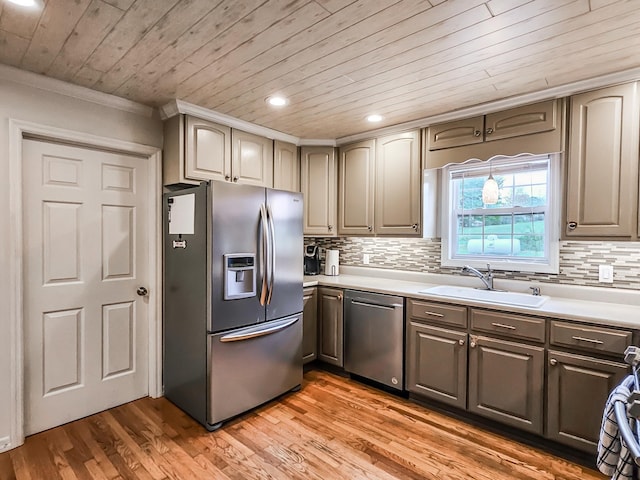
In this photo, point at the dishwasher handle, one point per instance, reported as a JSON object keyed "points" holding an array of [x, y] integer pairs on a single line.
{"points": [[367, 303]]}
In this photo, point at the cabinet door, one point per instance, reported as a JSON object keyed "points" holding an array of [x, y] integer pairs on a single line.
{"points": [[331, 330], [456, 134], [398, 182], [207, 150], [309, 325], [318, 185], [286, 166], [536, 118], [506, 382], [355, 201], [437, 363], [252, 160], [578, 388], [602, 169]]}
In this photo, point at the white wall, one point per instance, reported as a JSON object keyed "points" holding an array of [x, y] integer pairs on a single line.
{"points": [[43, 107]]}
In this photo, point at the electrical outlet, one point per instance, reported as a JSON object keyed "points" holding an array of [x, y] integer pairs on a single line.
{"points": [[605, 273], [365, 259]]}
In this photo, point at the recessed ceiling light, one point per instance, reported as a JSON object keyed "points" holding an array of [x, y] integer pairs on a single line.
{"points": [[277, 101], [25, 3], [374, 118]]}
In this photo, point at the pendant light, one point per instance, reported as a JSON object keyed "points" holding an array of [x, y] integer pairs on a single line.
{"points": [[490, 190]]}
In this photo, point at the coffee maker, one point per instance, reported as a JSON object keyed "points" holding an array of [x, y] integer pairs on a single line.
{"points": [[311, 260]]}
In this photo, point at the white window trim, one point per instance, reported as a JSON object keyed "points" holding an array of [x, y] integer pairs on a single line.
{"points": [[501, 263]]}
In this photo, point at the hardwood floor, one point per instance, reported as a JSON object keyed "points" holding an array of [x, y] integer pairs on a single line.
{"points": [[333, 428]]}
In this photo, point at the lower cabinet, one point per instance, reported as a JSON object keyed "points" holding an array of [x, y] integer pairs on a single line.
{"points": [[309, 325], [331, 329], [437, 363], [578, 387], [506, 382]]}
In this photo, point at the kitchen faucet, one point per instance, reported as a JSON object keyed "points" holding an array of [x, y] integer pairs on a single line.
{"points": [[487, 278]]}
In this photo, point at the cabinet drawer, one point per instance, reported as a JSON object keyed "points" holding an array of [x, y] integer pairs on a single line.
{"points": [[513, 326], [594, 339], [438, 313]]}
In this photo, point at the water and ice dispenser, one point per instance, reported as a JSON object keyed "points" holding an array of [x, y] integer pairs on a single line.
{"points": [[239, 275]]}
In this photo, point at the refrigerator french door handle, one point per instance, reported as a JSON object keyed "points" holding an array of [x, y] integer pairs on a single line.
{"points": [[264, 249], [272, 253], [253, 332]]}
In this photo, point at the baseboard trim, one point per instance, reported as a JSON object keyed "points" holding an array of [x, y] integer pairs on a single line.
{"points": [[5, 444]]}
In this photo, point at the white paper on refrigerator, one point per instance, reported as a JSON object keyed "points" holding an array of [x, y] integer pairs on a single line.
{"points": [[183, 214]]}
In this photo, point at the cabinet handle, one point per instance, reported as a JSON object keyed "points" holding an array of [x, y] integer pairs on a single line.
{"points": [[489, 131], [572, 225], [473, 344], [434, 314], [339, 297], [370, 228], [477, 133], [502, 325], [415, 226], [461, 342], [589, 340], [553, 362], [227, 177], [330, 227], [235, 179]]}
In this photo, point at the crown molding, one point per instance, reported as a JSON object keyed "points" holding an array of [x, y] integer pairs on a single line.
{"points": [[175, 107], [503, 104], [42, 82], [315, 142]]}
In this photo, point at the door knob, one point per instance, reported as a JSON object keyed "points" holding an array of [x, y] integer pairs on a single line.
{"points": [[142, 291]]}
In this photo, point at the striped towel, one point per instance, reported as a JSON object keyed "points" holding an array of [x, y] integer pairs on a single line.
{"points": [[614, 459]]}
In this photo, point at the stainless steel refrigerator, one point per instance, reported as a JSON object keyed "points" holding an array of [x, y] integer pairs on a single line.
{"points": [[232, 298]]}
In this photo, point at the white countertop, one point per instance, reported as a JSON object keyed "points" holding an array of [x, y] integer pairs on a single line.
{"points": [[604, 306]]}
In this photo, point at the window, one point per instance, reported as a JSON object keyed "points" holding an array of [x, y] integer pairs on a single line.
{"points": [[519, 232]]}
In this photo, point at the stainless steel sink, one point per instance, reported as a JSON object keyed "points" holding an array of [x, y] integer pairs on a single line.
{"points": [[489, 296]]}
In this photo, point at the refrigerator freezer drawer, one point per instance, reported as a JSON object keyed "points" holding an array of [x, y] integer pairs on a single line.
{"points": [[252, 365]]}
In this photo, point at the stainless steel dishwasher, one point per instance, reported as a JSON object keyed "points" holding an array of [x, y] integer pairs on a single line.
{"points": [[373, 337]]}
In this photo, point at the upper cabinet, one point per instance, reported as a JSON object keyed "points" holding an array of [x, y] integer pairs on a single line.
{"points": [[536, 129], [355, 194], [251, 159], [380, 185], [286, 166], [197, 150], [457, 133], [398, 185], [319, 187], [602, 167], [536, 118]]}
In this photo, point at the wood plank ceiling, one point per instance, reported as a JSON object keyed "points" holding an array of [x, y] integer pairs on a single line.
{"points": [[336, 60]]}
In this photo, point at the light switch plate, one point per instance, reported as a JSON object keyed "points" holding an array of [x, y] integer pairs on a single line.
{"points": [[605, 273]]}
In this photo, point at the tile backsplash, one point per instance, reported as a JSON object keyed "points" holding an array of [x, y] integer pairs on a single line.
{"points": [[579, 260]]}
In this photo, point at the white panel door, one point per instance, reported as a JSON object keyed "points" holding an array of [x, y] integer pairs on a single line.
{"points": [[85, 255]]}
